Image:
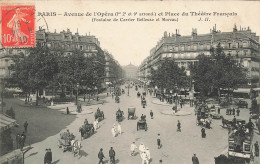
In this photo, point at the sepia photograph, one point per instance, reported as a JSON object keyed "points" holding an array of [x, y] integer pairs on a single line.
{"points": [[129, 82]]}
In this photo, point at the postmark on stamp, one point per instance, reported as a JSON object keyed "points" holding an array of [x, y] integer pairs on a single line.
{"points": [[18, 26]]}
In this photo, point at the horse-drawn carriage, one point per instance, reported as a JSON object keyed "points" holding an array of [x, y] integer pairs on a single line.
{"points": [[64, 142], [99, 115], [117, 99], [86, 130], [203, 116], [131, 113], [119, 115], [141, 124], [240, 145]]}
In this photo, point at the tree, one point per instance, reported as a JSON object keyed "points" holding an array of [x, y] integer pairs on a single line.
{"points": [[217, 71], [169, 76], [201, 72], [35, 71]]}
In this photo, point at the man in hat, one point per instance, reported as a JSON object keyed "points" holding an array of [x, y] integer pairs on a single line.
{"points": [[25, 126], [195, 159], [179, 126], [101, 156], [46, 156], [68, 111], [203, 133], [151, 114], [159, 141], [49, 156], [132, 148], [112, 155], [238, 111]]}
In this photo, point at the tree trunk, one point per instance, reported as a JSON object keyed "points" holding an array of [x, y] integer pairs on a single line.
{"points": [[26, 96], [37, 91]]}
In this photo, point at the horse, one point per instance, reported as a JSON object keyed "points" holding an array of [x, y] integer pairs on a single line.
{"points": [[76, 146], [86, 130], [99, 115], [225, 122]]}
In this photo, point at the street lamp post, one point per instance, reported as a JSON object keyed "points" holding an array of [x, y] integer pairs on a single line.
{"points": [[2, 96], [128, 90], [97, 91], [77, 93]]}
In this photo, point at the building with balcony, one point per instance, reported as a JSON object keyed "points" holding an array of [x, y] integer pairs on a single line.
{"points": [[113, 70], [241, 44]]}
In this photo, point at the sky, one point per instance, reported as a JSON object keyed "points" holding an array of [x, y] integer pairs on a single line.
{"points": [[132, 41]]}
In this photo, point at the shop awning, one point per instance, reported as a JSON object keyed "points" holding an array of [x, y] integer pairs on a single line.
{"points": [[6, 122], [256, 89], [242, 90]]}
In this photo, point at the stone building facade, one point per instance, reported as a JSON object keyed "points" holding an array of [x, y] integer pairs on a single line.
{"points": [[113, 70], [242, 44], [130, 71]]}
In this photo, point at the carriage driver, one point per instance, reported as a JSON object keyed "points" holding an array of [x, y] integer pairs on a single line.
{"points": [[143, 117], [86, 122], [119, 110]]}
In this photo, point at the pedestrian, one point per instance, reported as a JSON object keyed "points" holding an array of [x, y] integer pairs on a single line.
{"points": [[22, 140], [195, 159], [96, 125], [132, 148], [49, 156], [18, 140], [256, 149], [141, 147], [234, 121], [119, 129], [234, 112], [84, 97], [238, 111], [144, 158], [113, 130], [179, 126], [181, 103], [68, 111], [148, 155], [159, 141], [25, 125], [112, 95], [203, 133], [151, 114], [112, 155], [46, 156], [218, 110], [101, 156]]}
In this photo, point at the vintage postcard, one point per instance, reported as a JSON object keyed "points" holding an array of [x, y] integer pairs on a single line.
{"points": [[128, 82]]}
